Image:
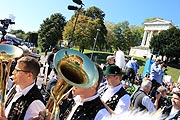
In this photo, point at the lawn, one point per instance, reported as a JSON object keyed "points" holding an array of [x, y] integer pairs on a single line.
{"points": [[173, 70]]}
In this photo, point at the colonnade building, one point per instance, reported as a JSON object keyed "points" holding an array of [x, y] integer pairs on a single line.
{"points": [[150, 28]]}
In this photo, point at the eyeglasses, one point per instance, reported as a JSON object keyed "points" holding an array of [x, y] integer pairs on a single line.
{"points": [[18, 70]]}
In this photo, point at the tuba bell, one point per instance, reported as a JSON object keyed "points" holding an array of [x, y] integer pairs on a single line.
{"points": [[7, 53], [75, 69]]}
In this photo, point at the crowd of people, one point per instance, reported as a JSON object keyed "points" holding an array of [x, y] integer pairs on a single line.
{"points": [[106, 98]]}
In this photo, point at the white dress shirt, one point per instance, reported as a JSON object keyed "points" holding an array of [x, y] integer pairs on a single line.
{"points": [[123, 103], [146, 101], [172, 113], [99, 116], [34, 108]]}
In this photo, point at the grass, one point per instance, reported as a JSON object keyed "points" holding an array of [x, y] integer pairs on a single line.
{"points": [[173, 70]]}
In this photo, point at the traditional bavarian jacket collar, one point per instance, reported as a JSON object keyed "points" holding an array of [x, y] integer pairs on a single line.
{"points": [[110, 92], [78, 100], [19, 93], [25, 90]]}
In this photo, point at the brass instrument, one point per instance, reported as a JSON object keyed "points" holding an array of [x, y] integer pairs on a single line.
{"points": [[75, 69], [7, 52]]}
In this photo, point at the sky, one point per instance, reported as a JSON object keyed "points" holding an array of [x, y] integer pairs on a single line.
{"points": [[29, 14]]}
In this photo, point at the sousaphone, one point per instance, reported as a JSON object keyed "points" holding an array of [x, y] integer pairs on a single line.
{"points": [[75, 69], [7, 53]]}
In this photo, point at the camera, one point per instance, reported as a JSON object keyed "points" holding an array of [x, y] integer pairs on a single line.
{"points": [[157, 92], [163, 64], [6, 23]]}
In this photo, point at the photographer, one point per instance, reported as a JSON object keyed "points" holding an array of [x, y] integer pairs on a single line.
{"points": [[156, 75], [161, 98]]}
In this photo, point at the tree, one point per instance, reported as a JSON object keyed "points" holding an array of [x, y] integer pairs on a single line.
{"points": [[167, 43], [98, 15], [126, 36], [110, 37], [84, 32], [86, 28], [50, 31], [123, 36], [18, 33]]}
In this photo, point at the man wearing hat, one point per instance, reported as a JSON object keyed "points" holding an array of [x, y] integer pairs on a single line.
{"points": [[110, 61], [115, 95]]}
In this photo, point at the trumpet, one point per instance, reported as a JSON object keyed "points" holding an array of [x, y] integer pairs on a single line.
{"points": [[75, 69], [7, 53]]}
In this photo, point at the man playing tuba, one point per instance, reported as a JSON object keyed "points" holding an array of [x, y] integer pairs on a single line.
{"points": [[86, 105]]}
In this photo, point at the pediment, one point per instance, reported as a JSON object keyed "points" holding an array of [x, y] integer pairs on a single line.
{"points": [[159, 22]]}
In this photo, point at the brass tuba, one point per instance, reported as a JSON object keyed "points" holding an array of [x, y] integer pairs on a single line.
{"points": [[75, 69], [7, 52]]}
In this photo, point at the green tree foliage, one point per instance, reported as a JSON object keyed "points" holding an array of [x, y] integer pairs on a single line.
{"points": [[84, 32], [98, 15], [27, 36], [86, 29], [110, 37], [137, 33], [18, 33], [50, 31], [167, 43], [123, 36]]}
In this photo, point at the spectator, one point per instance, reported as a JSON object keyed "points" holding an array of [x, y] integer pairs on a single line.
{"points": [[136, 66], [156, 75], [110, 60], [46, 51], [172, 112], [161, 98], [130, 69], [141, 100], [50, 60], [52, 82]]}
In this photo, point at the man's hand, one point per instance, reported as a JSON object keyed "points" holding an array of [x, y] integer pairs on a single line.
{"points": [[43, 115], [3, 117]]}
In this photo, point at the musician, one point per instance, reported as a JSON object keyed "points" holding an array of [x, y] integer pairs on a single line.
{"points": [[115, 96], [86, 105], [24, 100]]}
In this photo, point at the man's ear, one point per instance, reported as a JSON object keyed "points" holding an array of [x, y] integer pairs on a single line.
{"points": [[120, 77], [30, 75]]}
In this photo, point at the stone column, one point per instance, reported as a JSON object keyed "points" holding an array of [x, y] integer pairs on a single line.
{"points": [[144, 38], [149, 38]]}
